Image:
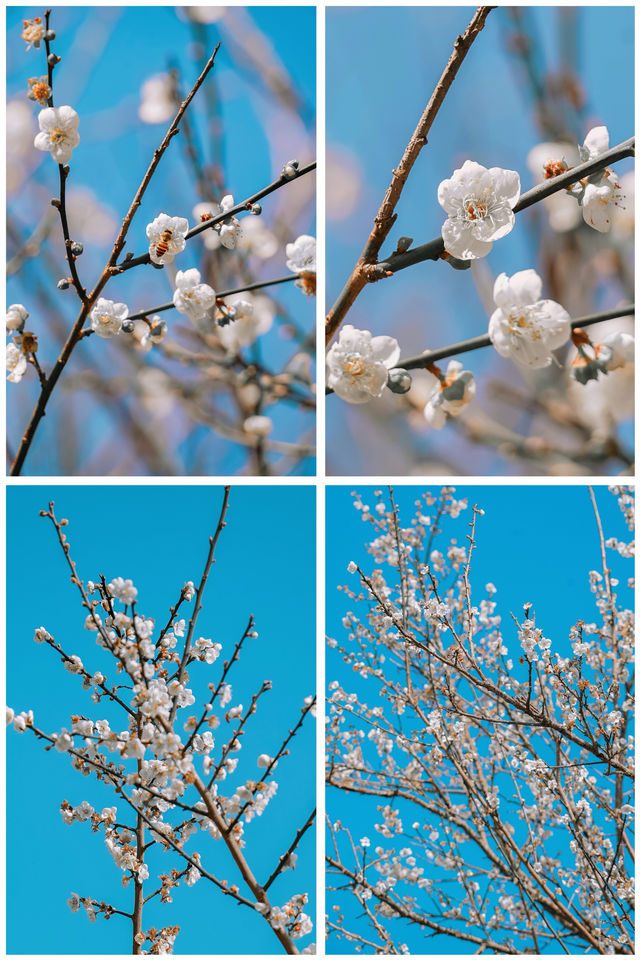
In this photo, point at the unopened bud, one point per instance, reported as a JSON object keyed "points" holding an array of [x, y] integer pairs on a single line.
{"points": [[76, 248], [63, 283], [290, 169], [53, 59], [128, 326], [399, 380], [50, 35], [256, 209]]}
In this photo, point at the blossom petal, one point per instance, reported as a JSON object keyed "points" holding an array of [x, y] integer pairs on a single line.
{"points": [[385, 350]]}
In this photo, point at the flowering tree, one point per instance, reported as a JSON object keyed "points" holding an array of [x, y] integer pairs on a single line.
{"points": [[571, 359], [503, 783], [172, 779], [159, 377]]}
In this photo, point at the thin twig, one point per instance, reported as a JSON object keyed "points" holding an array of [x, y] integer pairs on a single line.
{"points": [[422, 360], [220, 296], [385, 217]]}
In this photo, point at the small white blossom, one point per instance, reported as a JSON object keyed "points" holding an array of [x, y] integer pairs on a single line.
{"points": [[479, 204], [123, 590], [16, 363], [191, 296], [158, 101], [167, 237], [107, 316], [358, 364], [189, 591], [524, 327], [301, 259], [456, 389], [229, 230], [264, 760], [254, 316], [600, 200], [58, 132], [602, 192], [16, 318], [258, 425], [74, 903], [352, 567], [622, 346], [33, 32]]}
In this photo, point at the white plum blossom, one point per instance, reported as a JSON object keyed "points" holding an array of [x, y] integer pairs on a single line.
{"points": [[456, 389], [167, 237], [191, 296], [74, 903], [622, 346], [479, 204], [595, 144], [16, 363], [256, 239], [600, 200], [358, 364], [189, 591], [123, 590], [301, 259], [58, 132], [158, 102], [264, 760], [602, 192], [259, 425], [525, 328], [107, 317], [254, 317], [16, 318], [33, 32], [229, 230]]}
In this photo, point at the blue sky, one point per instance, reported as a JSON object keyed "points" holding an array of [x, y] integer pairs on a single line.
{"points": [[535, 543], [158, 538], [376, 91], [258, 135]]}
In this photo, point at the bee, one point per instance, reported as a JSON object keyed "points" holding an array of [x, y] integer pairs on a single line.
{"points": [[163, 243]]}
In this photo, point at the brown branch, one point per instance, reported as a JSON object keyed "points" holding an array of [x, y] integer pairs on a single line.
{"points": [[89, 301], [385, 217]]}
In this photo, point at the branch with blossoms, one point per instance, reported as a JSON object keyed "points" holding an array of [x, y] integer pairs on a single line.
{"points": [[169, 776], [223, 328], [501, 788], [481, 205]]}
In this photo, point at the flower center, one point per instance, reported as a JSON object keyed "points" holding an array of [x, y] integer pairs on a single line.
{"points": [[522, 325], [56, 135], [104, 319], [475, 209], [354, 366]]}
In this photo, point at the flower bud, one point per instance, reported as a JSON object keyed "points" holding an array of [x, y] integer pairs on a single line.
{"points": [[128, 326], [50, 35], [76, 248], [290, 169], [399, 380], [53, 59], [63, 283], [256, 209]]}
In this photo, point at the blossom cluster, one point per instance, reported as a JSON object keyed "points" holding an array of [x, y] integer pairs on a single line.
{"points": [[524, 327]]}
